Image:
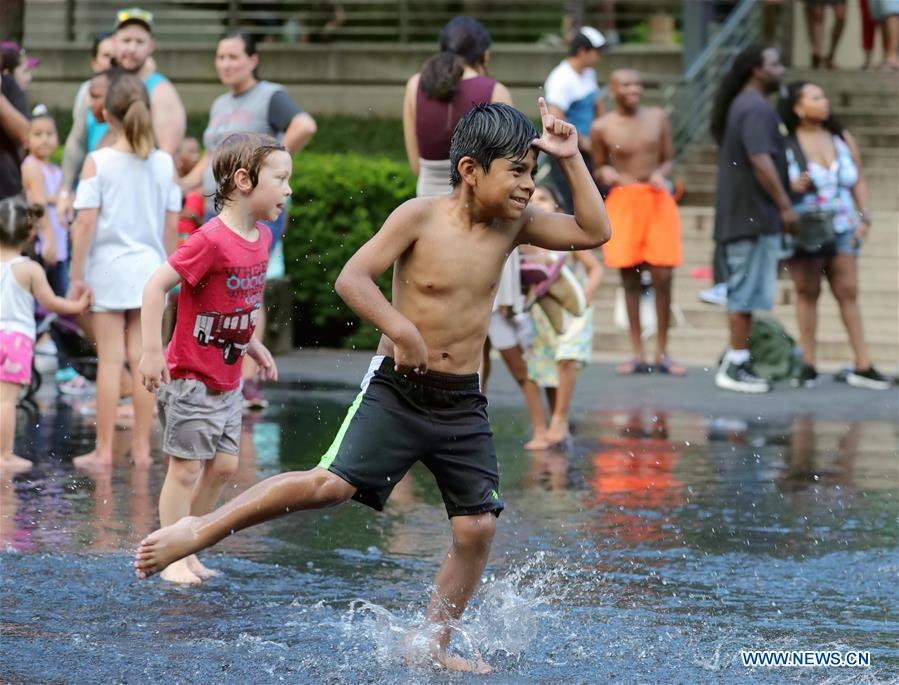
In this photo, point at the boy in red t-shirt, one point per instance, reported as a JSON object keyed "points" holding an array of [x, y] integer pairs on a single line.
{"points": [[221, 268]]}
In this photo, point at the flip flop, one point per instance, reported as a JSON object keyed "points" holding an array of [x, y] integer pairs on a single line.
{"points": [[632, 367], [670, 368]]}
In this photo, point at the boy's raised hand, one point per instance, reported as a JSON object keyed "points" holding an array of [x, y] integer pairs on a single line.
{"points": [[559, 138]]}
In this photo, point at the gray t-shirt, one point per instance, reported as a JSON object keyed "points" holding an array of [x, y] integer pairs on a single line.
{"points": [[743, 209], [264, 108]]}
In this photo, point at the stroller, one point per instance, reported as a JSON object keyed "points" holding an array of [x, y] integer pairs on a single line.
{"points": [[71, 340]]}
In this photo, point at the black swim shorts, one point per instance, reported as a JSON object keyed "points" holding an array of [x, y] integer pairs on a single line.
{"points": [[439, 419]]}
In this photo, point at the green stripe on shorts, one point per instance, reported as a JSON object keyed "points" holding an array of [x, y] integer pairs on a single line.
{"points": [[329, 456]]}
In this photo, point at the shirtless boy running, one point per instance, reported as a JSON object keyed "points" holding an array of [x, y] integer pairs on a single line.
{"points": [[632, 154], [420, 399]]}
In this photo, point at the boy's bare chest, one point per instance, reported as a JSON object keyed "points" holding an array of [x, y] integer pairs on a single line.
{"points": [[456, 262]]}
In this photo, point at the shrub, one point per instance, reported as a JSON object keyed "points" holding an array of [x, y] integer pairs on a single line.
{"points": [[339, 202]]}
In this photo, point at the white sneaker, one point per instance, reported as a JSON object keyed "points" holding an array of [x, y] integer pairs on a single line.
{"points": [[870, 379], [740, 378], [716, 295]]}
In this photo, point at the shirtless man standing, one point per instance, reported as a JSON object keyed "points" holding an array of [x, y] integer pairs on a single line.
{"points": [[632, 154], [420, 399]]}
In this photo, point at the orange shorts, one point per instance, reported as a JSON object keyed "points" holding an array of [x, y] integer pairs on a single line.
{"points": [[645, 227]]}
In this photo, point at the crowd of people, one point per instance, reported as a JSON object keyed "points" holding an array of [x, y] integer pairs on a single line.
{"points": [[497, 251]]}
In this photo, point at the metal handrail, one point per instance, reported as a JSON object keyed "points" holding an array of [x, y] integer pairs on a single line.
{"points": [[689, 100]]}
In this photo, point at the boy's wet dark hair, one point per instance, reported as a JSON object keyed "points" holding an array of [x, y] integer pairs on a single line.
{"points": [[240, 151], [490, 132]]}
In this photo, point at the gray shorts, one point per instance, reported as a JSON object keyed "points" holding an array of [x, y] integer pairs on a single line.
{"points": [[198, 423], [752, 272]]}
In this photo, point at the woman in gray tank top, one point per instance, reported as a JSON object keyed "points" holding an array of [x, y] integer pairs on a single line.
{"points": [[449, 84], [249, 105]]}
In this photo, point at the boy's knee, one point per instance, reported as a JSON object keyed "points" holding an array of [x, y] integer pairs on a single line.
{"points": [[331, 489], [186, 472], [224, 466], [474, 532]]}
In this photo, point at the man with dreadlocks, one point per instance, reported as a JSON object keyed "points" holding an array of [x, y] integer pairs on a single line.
{"points": [[752, 206]]}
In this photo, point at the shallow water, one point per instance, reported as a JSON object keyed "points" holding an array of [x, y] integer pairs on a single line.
{"points": [[652, 551]]}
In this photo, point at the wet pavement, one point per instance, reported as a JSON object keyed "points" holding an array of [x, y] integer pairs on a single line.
{"points": [[681, 526]]}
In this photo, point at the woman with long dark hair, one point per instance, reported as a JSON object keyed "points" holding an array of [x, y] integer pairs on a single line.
{"points": [[827, 184], [449, 84]]}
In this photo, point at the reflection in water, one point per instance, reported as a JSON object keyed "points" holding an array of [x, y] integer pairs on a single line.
{"points": [[661, 543]]}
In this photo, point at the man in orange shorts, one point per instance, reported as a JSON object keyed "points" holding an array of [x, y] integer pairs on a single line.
{"points": [[632, 154]]}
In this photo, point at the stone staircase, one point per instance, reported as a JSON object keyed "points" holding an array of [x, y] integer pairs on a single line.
{"points": [[868, 105]]}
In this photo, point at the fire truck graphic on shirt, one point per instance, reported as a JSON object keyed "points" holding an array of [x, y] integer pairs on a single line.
{"points": [[231, 332]]}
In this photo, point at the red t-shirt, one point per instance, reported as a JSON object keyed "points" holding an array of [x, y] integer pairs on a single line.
{"points": [[193, 203], [223, 281]]}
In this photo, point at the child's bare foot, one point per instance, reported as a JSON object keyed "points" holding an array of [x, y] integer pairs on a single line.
{"points": [[179, 572], [92, 460], [13, 463], [422, 650], [165, 546], [198, 569], [140, 455], [452, 662], [538, 442], [558, 431]]}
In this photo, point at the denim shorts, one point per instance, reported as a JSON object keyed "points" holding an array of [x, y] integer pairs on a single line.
{"points": [[845, 243], [752, 272]]}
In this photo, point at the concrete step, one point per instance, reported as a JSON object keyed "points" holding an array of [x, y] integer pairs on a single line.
{"points": [[876, 158], [705, 345], [697, 314]]}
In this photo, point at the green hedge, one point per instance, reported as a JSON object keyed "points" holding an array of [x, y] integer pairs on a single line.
{"points": [[339, 202]]}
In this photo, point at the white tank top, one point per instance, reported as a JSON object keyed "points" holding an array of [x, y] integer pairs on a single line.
{"points": [[16, 303]]}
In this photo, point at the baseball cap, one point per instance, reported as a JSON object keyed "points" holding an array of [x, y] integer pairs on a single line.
{"points": [[133, 15], [597, 40]]}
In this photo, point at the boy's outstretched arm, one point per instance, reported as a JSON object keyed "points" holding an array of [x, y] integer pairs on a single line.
{"points": [[589, 227], [356, 285], [153, 369]]}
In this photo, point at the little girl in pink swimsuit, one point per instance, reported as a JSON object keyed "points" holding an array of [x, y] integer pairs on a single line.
{"points": [[22, 281]]}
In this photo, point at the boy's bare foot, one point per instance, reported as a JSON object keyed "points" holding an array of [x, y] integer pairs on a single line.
{"points": [[13, 463], [538, 442], [452, 662], [179, 572], [92, 460], [165, 546], [198, 569], [424, 651]]}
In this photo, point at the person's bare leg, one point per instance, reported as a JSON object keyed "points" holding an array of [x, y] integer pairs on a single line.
{"points": [[662, 277], [9, 462], [142, 399], [839, 22], [806, 275], [217, 472], [630, 281], [456, 582], [559, 423], [273, 497], [518, 367], [181, 479], [814, 20], [891, 42], [770, 19], [842, 273], [109, 328]]}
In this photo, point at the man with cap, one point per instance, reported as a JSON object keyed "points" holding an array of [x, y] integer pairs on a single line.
{"points": [[133, 47], [572, 93]]}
